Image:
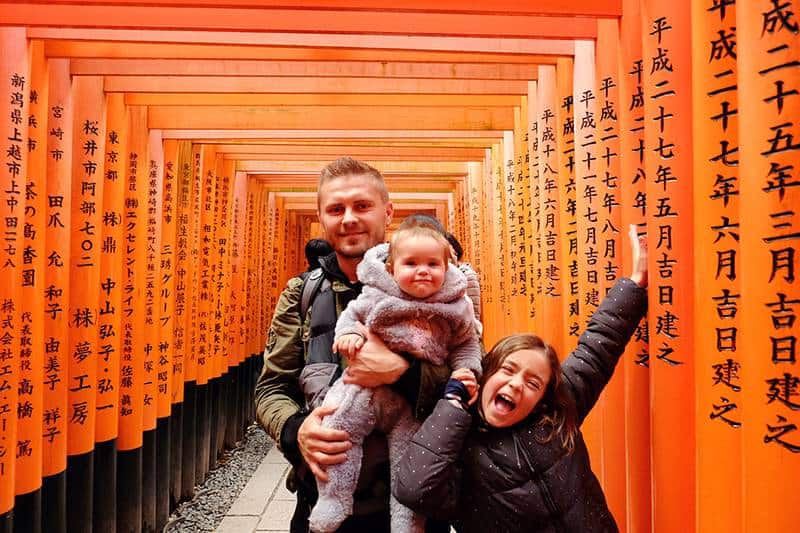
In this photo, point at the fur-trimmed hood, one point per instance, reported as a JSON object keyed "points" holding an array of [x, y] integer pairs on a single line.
{"points": [[372, 272]]}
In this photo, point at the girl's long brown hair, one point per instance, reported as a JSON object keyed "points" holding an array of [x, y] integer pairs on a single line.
{"points": [[556, 410]]}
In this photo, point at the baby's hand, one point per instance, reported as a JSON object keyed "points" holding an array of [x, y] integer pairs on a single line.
{"points": [[348, 344], [467, 377]]}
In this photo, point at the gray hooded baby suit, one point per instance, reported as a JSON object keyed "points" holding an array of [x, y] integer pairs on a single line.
{"points": [[439, 329]]}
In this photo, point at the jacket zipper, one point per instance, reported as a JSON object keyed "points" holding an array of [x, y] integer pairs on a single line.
{"points": [[552, 508]]}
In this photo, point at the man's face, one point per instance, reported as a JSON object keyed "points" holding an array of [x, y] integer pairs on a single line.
{"points": [[353, 214]]}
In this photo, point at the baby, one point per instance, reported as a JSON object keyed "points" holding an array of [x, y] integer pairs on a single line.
{"points": [[413, 299]]}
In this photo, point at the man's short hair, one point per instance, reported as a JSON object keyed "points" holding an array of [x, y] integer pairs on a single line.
{"points": [[347, 166]]}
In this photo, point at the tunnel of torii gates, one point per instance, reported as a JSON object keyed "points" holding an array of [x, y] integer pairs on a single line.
{"points": [[159, 164]]}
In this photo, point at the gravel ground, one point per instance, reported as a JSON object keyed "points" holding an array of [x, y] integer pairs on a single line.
{"points": [[215, 496]]}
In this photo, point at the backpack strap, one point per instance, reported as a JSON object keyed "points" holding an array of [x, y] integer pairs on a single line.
{"points": [[312, 283]]}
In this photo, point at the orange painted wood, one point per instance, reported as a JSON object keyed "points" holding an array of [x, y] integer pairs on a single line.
{"points": [[193, 265], [565, 140], [509, 227], [475, 224], [88, 149], [606, 8], [312, 84], [238, 330], [307, 45], [132, 376], [224, 244], [31, 357], [243, 151], [112, 255], [610, 245], [254, 207], [768, 165], [113, 50], [519, 208], [205, 293], [316, 69], [300, 117], [305, 20], [550, 209], [498, 208], [716, 193], [321, 99], [210, 135], [167, 350], [57, 245], [218, 276], [13, 107], [636, 357], [534, 210], [156, 389], [525, 220], [183, 249], [587, 207], [668, 166]]}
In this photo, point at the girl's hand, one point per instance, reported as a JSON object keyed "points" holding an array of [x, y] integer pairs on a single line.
{"points": [[348, 345], [638, 256], [467, 377]]}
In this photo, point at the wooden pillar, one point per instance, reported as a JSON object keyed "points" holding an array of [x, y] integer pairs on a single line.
{"points": [[57, 245], [88, 150], [549, 212], [566, 200], [511, 321], [668, 167], [769, 140], [534, 210], [110, 313], [13, 109], [186, 308], [156, 427], [610, 249], [524, 216], [27, 506], [587, 209], [716, 264], [633, 199], [131, 385]]}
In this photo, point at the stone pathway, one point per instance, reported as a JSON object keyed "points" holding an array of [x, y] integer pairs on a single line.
{"points": [[264, 504]]}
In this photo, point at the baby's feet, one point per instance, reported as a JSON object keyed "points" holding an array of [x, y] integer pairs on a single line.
{"points": [[328, 514]]}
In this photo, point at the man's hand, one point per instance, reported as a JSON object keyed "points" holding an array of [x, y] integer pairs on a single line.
{"points": [[319, 445], [638, 256], [375, 364]]}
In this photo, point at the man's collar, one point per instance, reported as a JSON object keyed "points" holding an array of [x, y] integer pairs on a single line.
{"points": [[330, 265]]}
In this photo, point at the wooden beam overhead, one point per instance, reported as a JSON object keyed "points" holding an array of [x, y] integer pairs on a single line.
{"points": [[361, 152], [595, 8], [197, 18], [460, 45], [433, 169], [341, 69], [300, 117], [212, 133], [115, 49], [348, 144], [372, 156], [273, 84], [311, 99]]}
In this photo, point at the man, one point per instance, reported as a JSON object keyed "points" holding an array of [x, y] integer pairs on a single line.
{"points": [[354, 211]]}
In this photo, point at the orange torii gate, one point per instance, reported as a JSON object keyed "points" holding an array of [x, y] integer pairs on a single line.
{"points": [[158, 183]]}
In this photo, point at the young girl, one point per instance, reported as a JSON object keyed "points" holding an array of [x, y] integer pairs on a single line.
{"points": [[413, 299], [517, 460]]}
